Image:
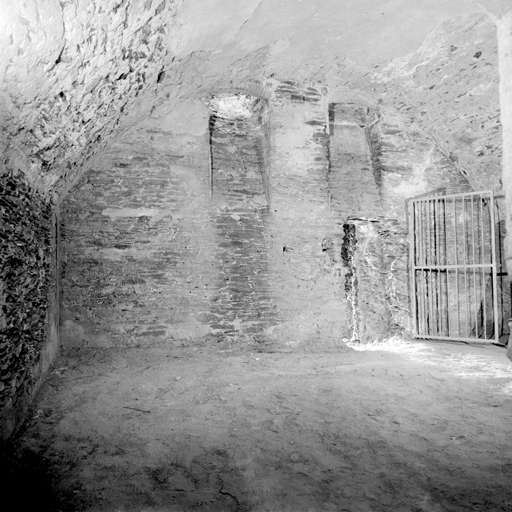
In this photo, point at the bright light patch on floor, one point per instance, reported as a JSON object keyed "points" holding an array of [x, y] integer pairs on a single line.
{"points": [[457, 362]]}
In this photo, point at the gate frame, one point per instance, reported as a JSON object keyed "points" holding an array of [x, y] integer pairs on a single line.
{"points": [[439, 194]]}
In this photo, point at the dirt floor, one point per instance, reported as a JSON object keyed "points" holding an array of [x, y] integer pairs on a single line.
{"points": [[398, 427]]}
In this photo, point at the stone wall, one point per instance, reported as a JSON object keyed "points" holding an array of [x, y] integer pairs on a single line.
{"points": [[158, 249], [449, 88], [148, 253], [411, 163], [28, 297], [139, 250], [201, 224], [77, 72], [378, 160], [352, 155], [375, 252], [243, 305], [304, 235]]}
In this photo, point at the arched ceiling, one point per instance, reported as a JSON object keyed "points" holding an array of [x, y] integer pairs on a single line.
{"points": [[313, 31], [75, 74]]}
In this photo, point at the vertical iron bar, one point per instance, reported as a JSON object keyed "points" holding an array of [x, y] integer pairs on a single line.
{"points": [[423, 291], [418, 275], [442, 262], [464, 246], [429, 262], [494, 269], [435, 260], [438, 263], [474, 263], [433, 272], [482, 270], [456, 251], [412, 260], [447, 262]]}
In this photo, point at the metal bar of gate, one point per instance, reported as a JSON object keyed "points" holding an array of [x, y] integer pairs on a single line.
{"points": [[433, 262], [494, 268], [464, 246], [475, 289], [446, 260], [429, 271], [423, 281], [456, 262], [437, 272], [418, 258], [413, 240], [482, 258], [440, 267]]}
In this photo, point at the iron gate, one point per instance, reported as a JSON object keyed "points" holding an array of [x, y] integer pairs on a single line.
{"points": [[454, 267]]}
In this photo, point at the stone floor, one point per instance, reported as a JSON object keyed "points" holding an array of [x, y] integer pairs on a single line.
{"points": [[399, 427]]}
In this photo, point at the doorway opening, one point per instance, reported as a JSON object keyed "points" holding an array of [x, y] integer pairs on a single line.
{"points": [[459, 287]]}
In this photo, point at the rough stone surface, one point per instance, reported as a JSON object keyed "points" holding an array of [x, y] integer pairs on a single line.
{"points": [[28, 309], [112, 95], [78, 73], [449, 87], [149, 256], [351, 154], [147, 272], [241, 196], [409, 163], [256, 240], [375, 252], [305, 238]]}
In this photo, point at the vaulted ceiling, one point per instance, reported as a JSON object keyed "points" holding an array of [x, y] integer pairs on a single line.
{"points": [[75, 74]]}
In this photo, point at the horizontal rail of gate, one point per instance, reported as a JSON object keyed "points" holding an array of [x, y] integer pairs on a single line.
{"points": [[454, 267]]}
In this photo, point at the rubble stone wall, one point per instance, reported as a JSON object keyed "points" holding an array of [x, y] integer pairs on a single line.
{"points": [[28, 297], [449, 89], [377, 285], [94, 65]]}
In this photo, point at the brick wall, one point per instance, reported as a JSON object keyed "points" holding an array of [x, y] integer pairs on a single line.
{"points": [[354, 180], [240, 191], [160, 246], [150, 257], [139, 252], [305, 238]]}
